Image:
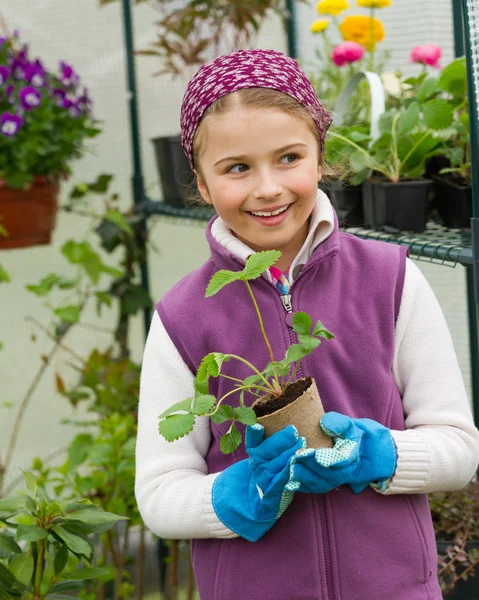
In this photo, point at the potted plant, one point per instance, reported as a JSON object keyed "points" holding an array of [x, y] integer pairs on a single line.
{"points": [[45, 118], [456, 523], [395, 191], [280, 399], [453, 182]]}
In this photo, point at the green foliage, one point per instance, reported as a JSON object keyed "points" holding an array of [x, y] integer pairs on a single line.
{"points": [[179, 419], [56, 546], [52, 134]]}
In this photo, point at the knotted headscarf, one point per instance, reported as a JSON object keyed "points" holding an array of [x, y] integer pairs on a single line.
{"points": [[247, 69]]}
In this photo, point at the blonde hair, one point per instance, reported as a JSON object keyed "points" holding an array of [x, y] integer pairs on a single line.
{"points": [[257, 98]]}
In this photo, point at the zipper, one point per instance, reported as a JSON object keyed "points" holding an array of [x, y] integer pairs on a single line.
{"points": [[288, 306]]}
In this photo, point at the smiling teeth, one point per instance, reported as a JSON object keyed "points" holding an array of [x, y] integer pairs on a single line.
{"points": [[269, 214]]}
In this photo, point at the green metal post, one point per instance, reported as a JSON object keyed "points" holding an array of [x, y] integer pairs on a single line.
{"points": [[463, 46], [291, 28], [137, 177]]}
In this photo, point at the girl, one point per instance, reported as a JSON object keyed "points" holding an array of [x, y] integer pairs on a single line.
{"points": [[273, 520]]}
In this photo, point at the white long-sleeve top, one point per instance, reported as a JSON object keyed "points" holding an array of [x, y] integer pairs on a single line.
{"points": [[438, 451]]}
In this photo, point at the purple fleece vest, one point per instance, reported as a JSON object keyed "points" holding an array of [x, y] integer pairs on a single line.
{"points": [[334, 546]]}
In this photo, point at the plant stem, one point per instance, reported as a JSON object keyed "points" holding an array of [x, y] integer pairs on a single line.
{"points": [[260, 320], [253, 368], [293, 373], [394, 148], [39, 568], [374, 165], [245, 387], [232, 378]]}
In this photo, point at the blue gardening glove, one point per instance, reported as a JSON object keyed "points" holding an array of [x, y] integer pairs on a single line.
{"points": [[249, 496], [363, 453]]}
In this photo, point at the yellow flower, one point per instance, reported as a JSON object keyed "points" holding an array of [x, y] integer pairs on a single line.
{"points": [[358, 29], [332, 7], [319, 26], [374, 3]]}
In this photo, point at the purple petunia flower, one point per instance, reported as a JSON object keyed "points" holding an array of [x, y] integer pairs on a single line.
{"points": [[75, 111], [10, 124], [35, 74], [68, 76], [9, 92], [29, 97], [4, 74], [58, 96]]}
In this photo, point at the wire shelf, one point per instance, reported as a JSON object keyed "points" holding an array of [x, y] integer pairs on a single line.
{"points": [[437, 244]]}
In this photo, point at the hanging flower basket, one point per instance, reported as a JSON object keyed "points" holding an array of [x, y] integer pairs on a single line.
{"points": [[28, 216]]}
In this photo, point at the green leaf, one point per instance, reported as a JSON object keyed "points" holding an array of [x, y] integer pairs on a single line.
{"points": [[310, 343], [102, 298], [210, 366], [258, 263], [201, 387], [183, 405], [437, 114], [220, 279], [68, 314], [101, 184], [8, 582], [453, 78], [203, 404], [409, 119], [4, 277], [71, 585], [245, 415], [429, 87], [94, 517], [358, 161], [61, 596], [9, 544], [14, 503], [302, 323], [22, 567], [31, 533], [31, 482], [176, 426], [224, 413], [78, 450], [252, 380], [114, 216], [321, 331], [296, 352], [75, 543], [45, 285], [61, 559], [230, 440], [87, 573]]}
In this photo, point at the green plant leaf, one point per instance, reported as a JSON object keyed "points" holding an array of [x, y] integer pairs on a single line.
{"points": [[71, 585], [22, 567], [211, 365], [45, 285], [78, 450], [359, 161], [93, 517], [437, 113], [201, 387], [245, 415], [68, 314], [230, 440], [61, 559], [224, 413], [4, 277], [429, 87], [453, 77], [302, 323], [309, 342], [220, 279], [100, 186], [259, 262], [75, 543], [8, 582], [183, 405], [62, 596], [31, 482], [31, 533], [203, 404], [252, 380], [9, 544], [176, 426], [87, 573], [296, 352], [14, 503], [321, 331], [409, 119], [114, 216]]}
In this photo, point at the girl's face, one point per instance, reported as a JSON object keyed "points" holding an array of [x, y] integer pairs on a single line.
{"points": [[255, 162]]}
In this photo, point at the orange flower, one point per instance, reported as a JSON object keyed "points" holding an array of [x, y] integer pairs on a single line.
{"points": [[357, 28]]}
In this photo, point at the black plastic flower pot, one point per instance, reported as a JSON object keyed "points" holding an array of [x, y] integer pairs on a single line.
{"points": [[174, 170], [463, 589], [347, 200], [453, 202], [396, 206]]}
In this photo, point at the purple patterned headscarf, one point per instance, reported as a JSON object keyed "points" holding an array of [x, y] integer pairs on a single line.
{"points": [[247, 69]]}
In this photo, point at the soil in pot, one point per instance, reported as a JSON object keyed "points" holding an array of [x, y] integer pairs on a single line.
{"points": [[453, 201], [300, 406]]}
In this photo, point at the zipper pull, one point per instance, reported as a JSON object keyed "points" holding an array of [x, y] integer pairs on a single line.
{"points": [[286, 300]]}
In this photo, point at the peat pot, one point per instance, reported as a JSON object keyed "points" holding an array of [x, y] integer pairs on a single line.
{"points": [[173, 169], [453, 202], [347, 200], [397, 206], [301, 406], [28, 216]]}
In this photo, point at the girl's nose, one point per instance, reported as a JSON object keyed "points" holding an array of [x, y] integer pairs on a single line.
{"points": [[267, 186]]}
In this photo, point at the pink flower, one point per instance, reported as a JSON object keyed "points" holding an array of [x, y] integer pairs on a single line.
{"points": [[347, 52], [426, 55]]}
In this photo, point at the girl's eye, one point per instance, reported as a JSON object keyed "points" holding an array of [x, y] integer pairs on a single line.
{"points": [[239, 167], [290, 157]]}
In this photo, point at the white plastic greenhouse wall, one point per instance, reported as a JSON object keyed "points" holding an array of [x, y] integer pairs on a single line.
{"points": [[91, 38]]}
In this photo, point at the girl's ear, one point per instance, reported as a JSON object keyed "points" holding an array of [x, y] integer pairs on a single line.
{"points": [[202, 188], [320, 173]]}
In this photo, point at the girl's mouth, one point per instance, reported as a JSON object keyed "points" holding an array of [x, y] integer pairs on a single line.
{"points": [[274, 217]]}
